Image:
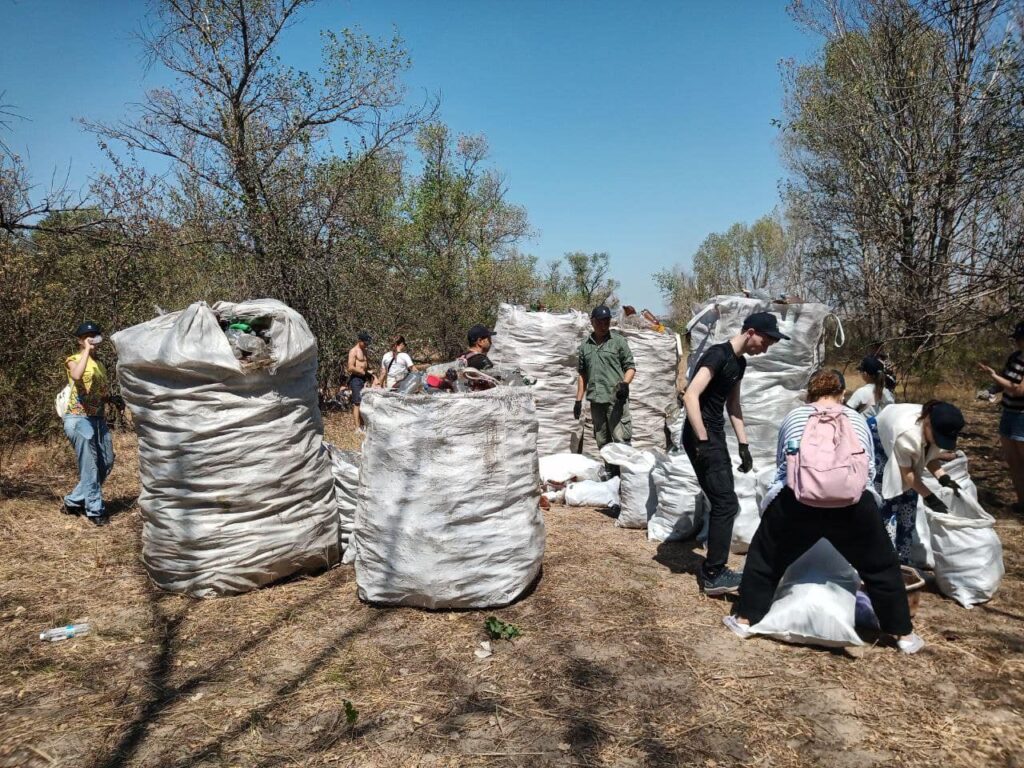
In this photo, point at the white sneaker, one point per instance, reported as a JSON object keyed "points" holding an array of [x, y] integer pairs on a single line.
{"points": [[912, 643], [739, 629]]}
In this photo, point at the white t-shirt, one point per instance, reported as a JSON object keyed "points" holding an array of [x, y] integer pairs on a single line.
{"points": [[865, 396], [398, 370], [902, 439]]}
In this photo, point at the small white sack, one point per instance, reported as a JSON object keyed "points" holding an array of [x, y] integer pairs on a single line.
{"points": [[968, 553], [593, 493], [749, 517], [561, 468], [637, 495], [345, 470], [680, 502], [815, 602], [60, 403]]}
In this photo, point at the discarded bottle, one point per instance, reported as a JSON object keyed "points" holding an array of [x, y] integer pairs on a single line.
{"points": [[57, 634]]}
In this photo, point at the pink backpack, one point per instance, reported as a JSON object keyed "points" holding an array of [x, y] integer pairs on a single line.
{"points": [[830, 469]]}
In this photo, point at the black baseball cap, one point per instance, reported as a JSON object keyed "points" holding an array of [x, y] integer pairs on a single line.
{"points": [[871, 365], [1018, 332], [947, 421], [764, 323], [601, 312], [88, 328], [364, 336], [478, 332]]}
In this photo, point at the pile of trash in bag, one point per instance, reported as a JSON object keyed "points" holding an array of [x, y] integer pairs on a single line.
{"points": [[456, 376], [237, 489]]}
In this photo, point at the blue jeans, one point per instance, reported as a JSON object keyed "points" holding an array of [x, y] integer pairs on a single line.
{"points": [[94, 449]]}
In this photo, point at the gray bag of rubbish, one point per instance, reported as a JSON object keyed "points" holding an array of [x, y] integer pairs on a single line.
{"points": [[237, 489], [345, 469], [448, 514]]}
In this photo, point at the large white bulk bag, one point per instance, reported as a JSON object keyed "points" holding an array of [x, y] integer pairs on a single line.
{"points": [[815, 603], [637, 496], [680, 509], [545, 346], [593, 493], [652, 394], [449, 490], [967, 550], [345, 470], [236, 486]]}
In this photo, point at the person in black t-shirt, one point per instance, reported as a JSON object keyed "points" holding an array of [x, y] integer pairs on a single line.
{"points": [[1011, 426], [713, 391], [479, 338]]}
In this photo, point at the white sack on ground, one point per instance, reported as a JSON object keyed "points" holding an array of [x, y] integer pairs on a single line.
{"points": [[679, 514], [967, 550], [236, 488], [815, 603], [593, 493], [921, 544], [448, 513], [345, 469], [561, 468], [545, 346], [638, 498]]}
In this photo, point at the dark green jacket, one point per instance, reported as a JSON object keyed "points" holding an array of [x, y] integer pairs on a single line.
{"points": [[604, 365]]}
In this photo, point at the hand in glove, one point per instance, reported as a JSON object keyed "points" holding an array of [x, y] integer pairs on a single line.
{"points": [[935, 504], [577, 409], [948, 482], [746, 460], [621, 391]]}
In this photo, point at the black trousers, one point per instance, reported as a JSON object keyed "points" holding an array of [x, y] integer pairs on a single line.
{"points": [[714, 473], [789, 528]]}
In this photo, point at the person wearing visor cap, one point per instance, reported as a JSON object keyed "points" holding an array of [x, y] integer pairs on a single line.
{"points": [[86, 426], [873, 396], [606, 369], [479, 338], [1011, 426], [914, 437], [714, 391]]}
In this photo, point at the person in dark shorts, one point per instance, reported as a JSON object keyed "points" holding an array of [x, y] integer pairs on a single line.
{"points": [[357, 368], [1011, 426], [479, 338], [713, 392]]}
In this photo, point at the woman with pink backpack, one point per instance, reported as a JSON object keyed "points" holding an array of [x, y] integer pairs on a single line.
{"points": [[823, 489]]}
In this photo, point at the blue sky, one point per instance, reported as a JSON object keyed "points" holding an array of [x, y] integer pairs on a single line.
{"points": [[634, 128]]}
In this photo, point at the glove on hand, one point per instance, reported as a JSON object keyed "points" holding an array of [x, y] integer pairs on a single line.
{"points": [[935, 504], [948, 482], [577, 409], [621, 390], [746, 460]]}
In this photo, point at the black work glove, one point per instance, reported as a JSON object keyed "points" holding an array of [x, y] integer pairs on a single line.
{"points": [[621, 390], [746, 460], [577, 409], [935, 504], [948, 482]]}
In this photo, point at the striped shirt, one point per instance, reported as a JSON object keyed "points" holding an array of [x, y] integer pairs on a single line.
{"points": [[793, 429], [1014, 371]]}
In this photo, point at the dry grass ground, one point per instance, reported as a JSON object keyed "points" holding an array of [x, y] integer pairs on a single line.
{"points": [[621, 662]]}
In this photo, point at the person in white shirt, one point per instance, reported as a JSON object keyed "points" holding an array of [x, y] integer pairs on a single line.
{"points": [[913, 438], [870, 399], [396, 364]]}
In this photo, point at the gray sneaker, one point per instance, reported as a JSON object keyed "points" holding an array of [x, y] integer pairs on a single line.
{"points": [[726, 582]]}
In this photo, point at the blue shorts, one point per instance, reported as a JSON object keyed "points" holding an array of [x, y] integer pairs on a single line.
{"points": [[1012, 425], [356, 384]]}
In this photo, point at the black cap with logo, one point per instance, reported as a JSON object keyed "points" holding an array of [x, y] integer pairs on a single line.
{"points": [[601, 312], [478, 332], [764, 323], [88, 328], [947, 421]]}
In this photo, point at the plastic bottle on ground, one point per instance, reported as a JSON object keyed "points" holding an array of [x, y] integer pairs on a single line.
{"points": [[66, 632]]}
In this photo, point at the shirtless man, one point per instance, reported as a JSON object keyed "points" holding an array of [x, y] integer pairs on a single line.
{"points": [[357, 369]]}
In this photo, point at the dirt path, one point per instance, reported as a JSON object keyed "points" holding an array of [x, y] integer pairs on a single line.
{"points": [[622, 662]]}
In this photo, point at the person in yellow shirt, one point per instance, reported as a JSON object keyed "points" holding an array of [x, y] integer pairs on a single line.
{"points": [[86, 427]]}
